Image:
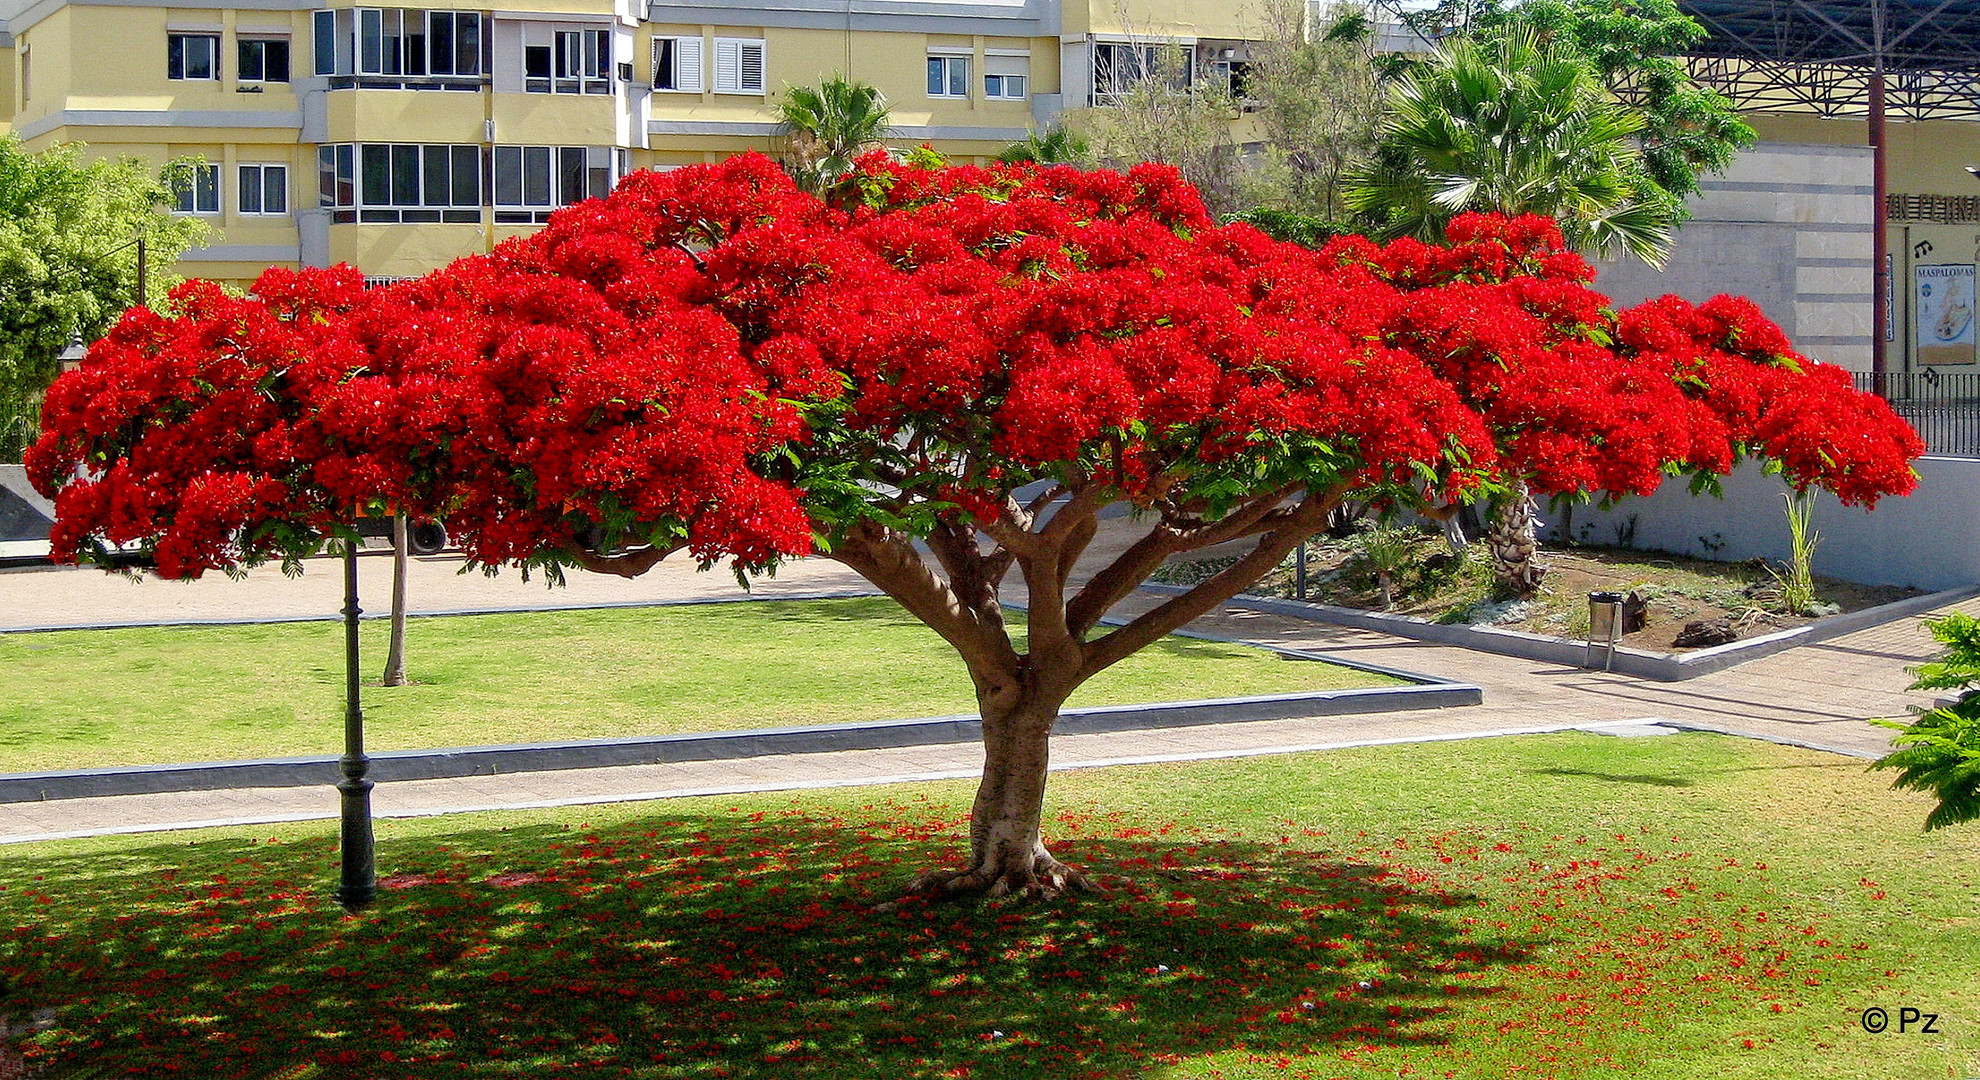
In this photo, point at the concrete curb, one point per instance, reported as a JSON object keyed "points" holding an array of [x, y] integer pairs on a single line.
{"points": [[819, 739], [1663, 667], [809, 784]]}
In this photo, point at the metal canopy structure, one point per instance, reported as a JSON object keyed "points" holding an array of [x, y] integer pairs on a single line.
{"points": [[1917, 59], [1828, 59]]}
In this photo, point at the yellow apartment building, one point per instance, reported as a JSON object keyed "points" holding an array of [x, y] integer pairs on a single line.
{"points": [[398, 139]]}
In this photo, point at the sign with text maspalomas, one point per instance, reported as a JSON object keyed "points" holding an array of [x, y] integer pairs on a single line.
{"points": [[1942, 311]]}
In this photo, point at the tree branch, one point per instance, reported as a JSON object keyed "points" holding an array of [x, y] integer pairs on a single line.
{"points": [[1296, 525], [1237, 524], [1049, 562], [1132, 567], [629, 565], [970, 571], [1044, 499], [889, 561], [1119, 578]]}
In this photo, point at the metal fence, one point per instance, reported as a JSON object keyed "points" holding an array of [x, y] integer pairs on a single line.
{"points": [[20, 425], [1944, 407]]}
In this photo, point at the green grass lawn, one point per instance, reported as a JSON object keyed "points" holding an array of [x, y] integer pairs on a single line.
{"points": [[1555, 906], [90, 698]]}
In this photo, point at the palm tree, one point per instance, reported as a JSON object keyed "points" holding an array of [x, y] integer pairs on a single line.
{"points": [[1515, 127], [1054, 146], [829, 126]]}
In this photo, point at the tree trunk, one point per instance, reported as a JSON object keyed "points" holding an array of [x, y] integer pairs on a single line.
{"points": [[395, 653], [1512, 543], [1007, 853]]}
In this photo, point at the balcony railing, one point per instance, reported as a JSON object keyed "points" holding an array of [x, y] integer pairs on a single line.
{"points": [[1943, 406]]}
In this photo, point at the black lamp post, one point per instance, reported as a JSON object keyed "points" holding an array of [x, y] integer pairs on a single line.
{"points": [[359, 884]]}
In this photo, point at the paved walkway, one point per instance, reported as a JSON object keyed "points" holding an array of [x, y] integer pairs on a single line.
{"points": [[1818, 695]]}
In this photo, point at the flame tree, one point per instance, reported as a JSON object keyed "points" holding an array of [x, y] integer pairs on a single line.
{"points": [[936, 376]]}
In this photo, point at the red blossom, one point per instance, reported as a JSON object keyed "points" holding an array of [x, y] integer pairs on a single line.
{"points": [[713, 359]]}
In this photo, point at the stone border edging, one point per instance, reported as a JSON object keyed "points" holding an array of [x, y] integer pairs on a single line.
{"points": [[1663, 667], [1426, 692]]}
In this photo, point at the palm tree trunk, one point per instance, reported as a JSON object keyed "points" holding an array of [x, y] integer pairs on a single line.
{"points": [[1513, 544]]}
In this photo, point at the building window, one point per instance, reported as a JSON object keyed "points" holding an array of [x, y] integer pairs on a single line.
{"points": [[192, 56], [567, 61], [948, 76], [398, 182], [531, 181], [1118, 67], [677, 64], [264, 60], [199, 192], [1232, 75], [1005, 78], [264, 189], [454, 40], [390, 48], [738, 66]]}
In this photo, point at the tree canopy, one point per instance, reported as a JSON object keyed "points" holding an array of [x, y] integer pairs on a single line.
{"points": [[68, 264], [973, 360]]}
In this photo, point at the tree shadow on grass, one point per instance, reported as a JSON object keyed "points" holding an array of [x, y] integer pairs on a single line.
{"points": [[672, 945], [1650, 779]]}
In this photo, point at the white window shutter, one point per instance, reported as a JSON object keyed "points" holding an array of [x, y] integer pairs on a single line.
{"points": [[687, 65], [728, 66]]}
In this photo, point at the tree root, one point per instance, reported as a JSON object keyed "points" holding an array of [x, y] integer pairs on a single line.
{"points": [[1043, 878]]}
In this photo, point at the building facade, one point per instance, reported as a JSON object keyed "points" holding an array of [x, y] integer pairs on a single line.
{"points": [[398, 139]]}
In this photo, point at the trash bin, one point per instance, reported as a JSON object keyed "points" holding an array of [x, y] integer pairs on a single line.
{"points": [[1605, 625]]}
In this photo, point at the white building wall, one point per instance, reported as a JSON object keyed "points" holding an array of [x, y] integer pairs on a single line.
{"points": [[1925, 539], [1789, 226]]}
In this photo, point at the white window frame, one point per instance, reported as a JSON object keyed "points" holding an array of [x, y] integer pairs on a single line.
{"points": [[1147, 61], [733, 66], [581, 61], [180, 38], [597, 169], [188, 201], [1006, 67], [433, 178], [689, 74], [455, 21], [330, 44], [948, 81], [262, 173]]}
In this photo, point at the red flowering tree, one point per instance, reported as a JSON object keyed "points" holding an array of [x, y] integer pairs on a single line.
{"points": [[935, 377]]}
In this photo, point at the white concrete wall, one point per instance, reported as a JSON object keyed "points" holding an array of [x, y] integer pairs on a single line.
{"points": [[1927, 539], [1788, 225]]}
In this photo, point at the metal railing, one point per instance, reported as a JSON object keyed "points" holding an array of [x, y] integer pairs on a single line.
{"points": [[1943, 406]]}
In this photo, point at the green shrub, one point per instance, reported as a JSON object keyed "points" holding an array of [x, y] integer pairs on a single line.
{"points": [[1939, 752]]}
